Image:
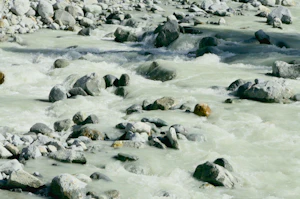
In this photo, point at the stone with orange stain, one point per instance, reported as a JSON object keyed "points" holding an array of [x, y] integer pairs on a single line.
{"points": [[2, 77], [202, 110]]}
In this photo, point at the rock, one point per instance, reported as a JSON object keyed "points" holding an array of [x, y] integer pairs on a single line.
{"points": [[268, 2], [221, 21], [67, 186], [124, 80], [158, 122], [286, 70], [138, 127], [215, 175], [45, 9], [196, 137], [167, 33], [41, 128], [61, 63], [20, 7], [202, 110], [78, 118], [4, 153], [208, 41], [12, 149], [122, 35], [277, 23], [83, 178], [95, 9], [269, 91], [85, 32], [121, 91], [74, 10], [128, 143], [65, 18], [100, 176], [282, 13], [62, 125], [86, 22], [2, 77], [172, 136], [236, 84], [77, 91], [133, 23], [69, 156], [156, 71], [262, 37], [29, 152], [109, 80], [154, 141], [205, 5], [91, 84], [223, 163], [87, 132], [91, 119], [58, 92], [288, 3], [11, 165], [135, 108], [164, 103], [207, 50], [126, 157], [25, 181], [179, 129]]}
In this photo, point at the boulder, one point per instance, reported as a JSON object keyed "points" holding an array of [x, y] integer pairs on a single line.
{"points": [[66, 186], [45, 9], [215, 175], [262, 37], [224, 163], [69, 156], [124, 80], [208, 41], [87, 132], [202, 110], [12, 149], [24, 180], [167, 33], [65, 18], [206, 4], [77, 91], [236, 84], [9, 166], [164, 103], [85, 31], [154, 141], [121, 91], [286, 70], [282, 13], [100, 176], [95, 9], [156, 71], [61, 63], [172, 136], [30, 152], [126, 157], [109, 80], [86, 22], [2, 77], [75, 11], [4, 153], [20, 7], [122, 35], [78, 117], [138, 127], [277, 23], [62, 125], [41, 128], [58, 92], [135, 108], [91, 84], [268, 2]]}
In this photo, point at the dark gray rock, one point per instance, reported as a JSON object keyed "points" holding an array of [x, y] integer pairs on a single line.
{"points": [[91, 119], [109, 80], [167, 33], [262, 37], [208, 41], [146, 105], [124, 80], [87, 132], [121, 125], [285, 70], [122, 35], [126, 157], [215, 175], [91, 84], [65, 18], [41, 128], [66, 186], [282, 13], [62, 125], [78, 118], [164, 103], [224, 163], [241, 89], [135, 108], [158, 122], [58, 92], [100, 176], [85, 32], [61, 63], [236, 84], [25, 181], [69, 156], [154, 141], [121, 91], [77, 91]]}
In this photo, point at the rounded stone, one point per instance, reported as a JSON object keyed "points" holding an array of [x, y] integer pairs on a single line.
{"points": [[202, 110]]}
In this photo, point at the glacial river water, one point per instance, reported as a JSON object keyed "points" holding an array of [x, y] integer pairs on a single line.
{"points": [[260, 140]]}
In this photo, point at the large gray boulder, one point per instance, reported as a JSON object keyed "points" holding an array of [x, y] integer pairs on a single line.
{"points": [[58, 92], [91, 84], [262, 37], [66, 186], [24, 180], [157, 71], [69, 156], [64, 17], [41, 128], [45, 9], [75, 11], [268, 91], [164, 103], [167, 33], [215, 175], [20, 7], [123, 35], [30, 152], [9, 166], [282, 13], [286, 70]]}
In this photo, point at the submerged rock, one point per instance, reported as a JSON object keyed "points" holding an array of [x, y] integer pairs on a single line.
{"points": [[61, 63], [223, 163], [122, 35], [262, 37], [286, 70], [172, 136], [158, 122], [109, 80], [126, 157], [100, 176], [167, 33], [78, 118]]}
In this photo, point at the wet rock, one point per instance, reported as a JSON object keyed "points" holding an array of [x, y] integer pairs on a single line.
{"points": [[78, 118], [109, 80], [126, 157], [180, 129], [138, 127], [67, 186], [196, 137], [167, 33], [158, 122], [58, 92], [124, 80], [122, 35], [20, 7], [61, 63], [128, 143], [29, 152], [87, 132], [77, 91], [121, 91], [85, 32], [172, 136], [45, 9], [236, 84], [4, 153], [282, 13], [215, 175], [207, 50], [154, 141], [11, 165], [223, 163], [240, 91], [41, 128], [156, 71], [262, 37], [12, 149], [64, 17], [25, 181], [91, 119], [286, 70], [202, 110], [208, 41], [62, 125], [69, 156], [91, 84], [164, 103], [100, 176], [2, 77]]}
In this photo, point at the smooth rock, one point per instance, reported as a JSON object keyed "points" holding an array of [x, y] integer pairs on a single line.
{"points": [[65, 18], [74, 10], [11, 165], [77, 91], [100, 176], [135, 108], [41, 128], [78, 118], [202, 110], [58, 92], [154, 141], [24, 180], [208, 41], [138, 127], [167, 33], [236, 84], [223, 163], [126, 157], [124, 80], [4, 153], [20, 7], [283, 13], [164, 103], [45, 9], [172, 136], [91, 84], [286, 70], [121, 91], [12, 149], [83, 178], [69, 156], [109, 80], [122, 35], [62, 125], [29, 152], [262, 37], [91, 119], [158, 122]]}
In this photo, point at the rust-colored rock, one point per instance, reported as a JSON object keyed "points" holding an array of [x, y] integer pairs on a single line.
{"points": [[202, 110], [2, 77]]}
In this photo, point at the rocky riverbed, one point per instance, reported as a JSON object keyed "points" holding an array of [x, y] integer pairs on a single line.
{"points": [[149, 99]]}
